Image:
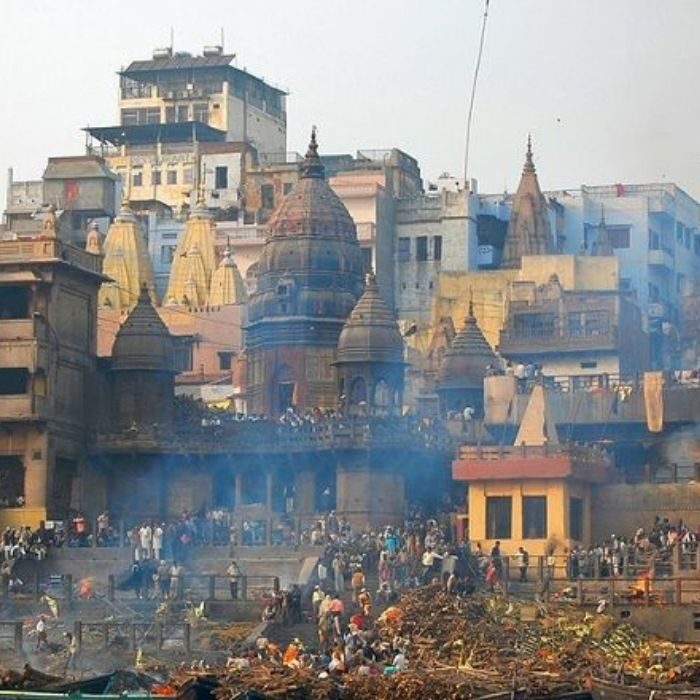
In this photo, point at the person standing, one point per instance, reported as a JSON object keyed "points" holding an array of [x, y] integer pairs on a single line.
{"points": [[41, 633], [157, 542], [176, 581], [234, 575], [163, 577], [72, 657], [496, 559], [338, 574], [522, 560], [146, 540]]}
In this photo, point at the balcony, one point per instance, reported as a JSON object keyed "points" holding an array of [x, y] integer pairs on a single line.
{"points": [[28, 353], [39, 250], [513, 343], [22, 407], [15, 329], [661, 257]]}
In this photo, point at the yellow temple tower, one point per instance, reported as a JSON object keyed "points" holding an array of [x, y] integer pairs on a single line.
{"points": [[195, 260], [227, 286], [126, 261]]}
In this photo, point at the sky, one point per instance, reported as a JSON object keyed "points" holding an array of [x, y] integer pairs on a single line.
{"points": [[608, 88]]}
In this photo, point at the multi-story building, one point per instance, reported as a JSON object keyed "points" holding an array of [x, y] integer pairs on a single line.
{"points": [[572, 332], [48, 314], [80, 189], [182, 117]]}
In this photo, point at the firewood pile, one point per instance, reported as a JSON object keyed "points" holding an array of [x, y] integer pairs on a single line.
{"points": [[501, 644]]}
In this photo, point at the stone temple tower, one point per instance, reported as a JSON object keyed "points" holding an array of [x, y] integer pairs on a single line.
{"points": [[309, 279], [529, 232]]}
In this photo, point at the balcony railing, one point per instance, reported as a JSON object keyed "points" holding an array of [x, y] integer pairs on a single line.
{"points": [[19, 407], [48, 249], [513, 341], [266, 436]]}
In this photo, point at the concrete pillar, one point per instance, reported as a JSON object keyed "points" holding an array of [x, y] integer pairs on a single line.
{"points": [[268, 507], [238, 490], [305, 488]]}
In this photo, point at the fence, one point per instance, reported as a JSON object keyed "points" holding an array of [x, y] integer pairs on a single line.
{"points": [[207, 587]]}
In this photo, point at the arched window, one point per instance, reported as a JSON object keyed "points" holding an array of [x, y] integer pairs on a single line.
{"points": [[382, 397], [358, 395]]}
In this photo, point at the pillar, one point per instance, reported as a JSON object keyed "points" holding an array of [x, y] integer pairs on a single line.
{"points": [[305, 488], [238, 490], [268, 506]]}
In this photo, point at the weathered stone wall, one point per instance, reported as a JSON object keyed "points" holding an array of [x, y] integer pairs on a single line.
{"points": [[622, 508]]}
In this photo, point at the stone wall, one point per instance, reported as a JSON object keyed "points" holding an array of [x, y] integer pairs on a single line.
{"points": [[622, 508]]}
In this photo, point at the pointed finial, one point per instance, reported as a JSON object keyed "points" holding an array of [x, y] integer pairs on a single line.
{"points": [[312, 166], [602, 214], [529, 163], [200, 184]]}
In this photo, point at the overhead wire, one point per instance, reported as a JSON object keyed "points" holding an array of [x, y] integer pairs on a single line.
{"points": [[470, 112]]}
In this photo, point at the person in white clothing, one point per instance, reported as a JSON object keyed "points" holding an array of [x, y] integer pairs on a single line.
{"points": [[146, 540], [157, 541]]}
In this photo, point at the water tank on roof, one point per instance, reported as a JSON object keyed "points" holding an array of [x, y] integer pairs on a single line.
{"points": [[166, 52], [213, 50]]}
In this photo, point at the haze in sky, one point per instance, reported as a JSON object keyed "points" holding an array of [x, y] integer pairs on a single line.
{"points": [[607, 88]]}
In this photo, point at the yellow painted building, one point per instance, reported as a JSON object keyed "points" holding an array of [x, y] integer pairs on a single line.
{"points": [[536, 493]]}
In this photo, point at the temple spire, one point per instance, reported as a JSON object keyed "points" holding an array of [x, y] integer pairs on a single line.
{"points": [[312, 166], [529, 231], [529, 166]]}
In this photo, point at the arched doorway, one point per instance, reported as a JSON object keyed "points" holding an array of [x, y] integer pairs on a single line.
{"points": [[284, 390]]}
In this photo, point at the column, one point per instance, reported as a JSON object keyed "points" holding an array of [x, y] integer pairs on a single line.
{"points": [[268, 506]]}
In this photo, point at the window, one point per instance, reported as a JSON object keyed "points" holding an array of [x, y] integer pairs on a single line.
{"points": [[169, 115], [404, 249], [498, 517], [619, 236], [155, 177], [534, 517], [437, 247], [200, 112], [686, 238], [187, 176], [625, 284], [14, 303], [576, 518], [172, 177], [166, 254], [679, 232], [696, 245], [267, 195], [137, 178], [221, 177], [680, 283], [590, 364], [367, 258], [11, 481], [287, 187], [653, 240], [13, 381], [151, 115], [534, 325], [183, 113], [225, 359], [422, 248]]}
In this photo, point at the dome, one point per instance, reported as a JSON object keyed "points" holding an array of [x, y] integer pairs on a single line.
{"points": [[143, 342], [464, 364], [370, 334], [312, 208], [311, 265]]}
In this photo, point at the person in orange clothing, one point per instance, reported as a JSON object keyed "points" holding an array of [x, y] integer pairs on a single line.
{"points": [[336, 609], [358, 582]]}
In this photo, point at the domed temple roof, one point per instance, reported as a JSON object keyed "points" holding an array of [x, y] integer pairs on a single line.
{"points": [[312, 208], [311, 265], [143, 342], [370, 334], [464, 363]]}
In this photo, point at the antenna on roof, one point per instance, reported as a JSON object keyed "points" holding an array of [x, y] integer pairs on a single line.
{"points": [[222, 40], [172, 40]]}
